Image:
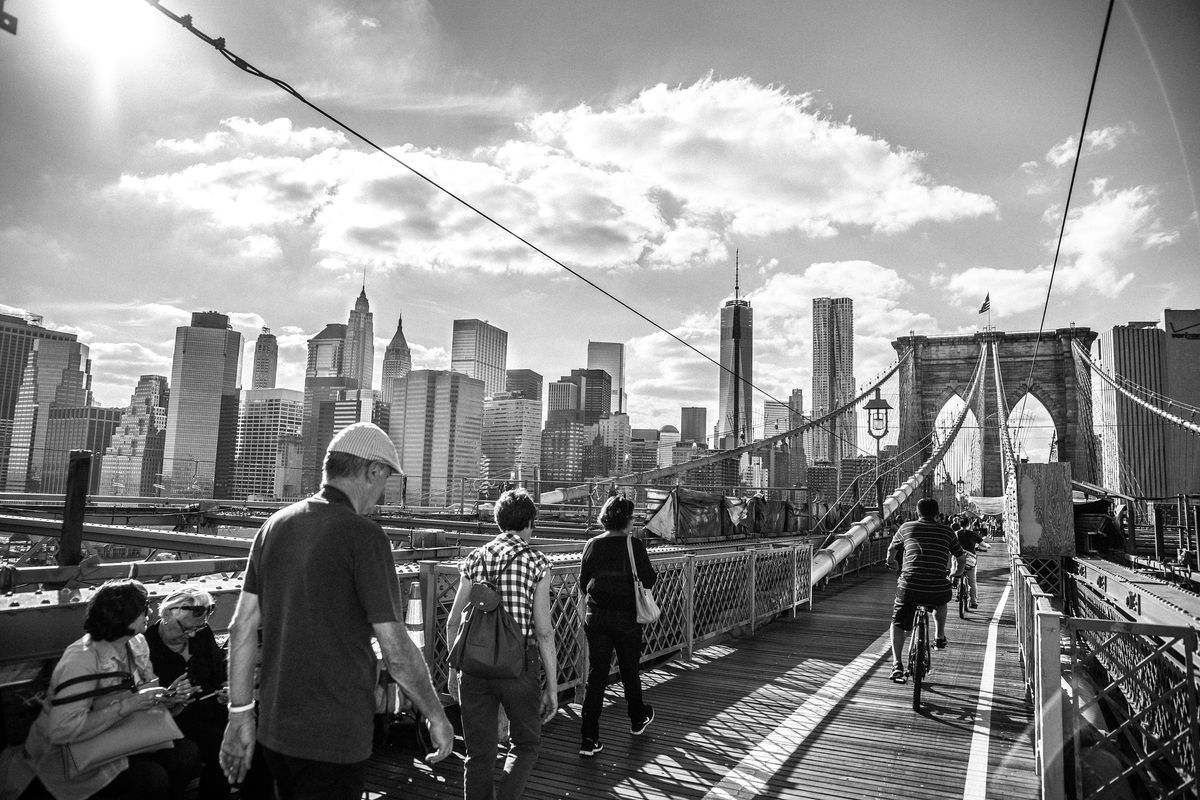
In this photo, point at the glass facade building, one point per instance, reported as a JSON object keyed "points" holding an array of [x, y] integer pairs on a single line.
{"points": [[133, 461], [480, 351]]}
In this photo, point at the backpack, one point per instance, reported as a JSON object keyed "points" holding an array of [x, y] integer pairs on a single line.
{"points": [[490, 644]]}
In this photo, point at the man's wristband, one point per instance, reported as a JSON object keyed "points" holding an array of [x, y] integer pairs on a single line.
{"points": [[239, 709]]}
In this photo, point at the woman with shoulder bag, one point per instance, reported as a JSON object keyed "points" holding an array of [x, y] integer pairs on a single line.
{"points": [[606, 576], [103, 730]]}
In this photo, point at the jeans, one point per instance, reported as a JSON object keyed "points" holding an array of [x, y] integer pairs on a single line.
{"points": [[300, 778], [605, 633], [969, 577], [480, 700]]}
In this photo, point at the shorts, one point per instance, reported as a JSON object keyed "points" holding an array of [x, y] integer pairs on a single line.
{"points": [[905, 607]]}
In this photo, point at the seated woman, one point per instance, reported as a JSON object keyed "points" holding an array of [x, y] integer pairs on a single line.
{"points": [[80, 706]]}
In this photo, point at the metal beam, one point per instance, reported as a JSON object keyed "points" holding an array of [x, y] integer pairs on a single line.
{"points": [[229, 546]]}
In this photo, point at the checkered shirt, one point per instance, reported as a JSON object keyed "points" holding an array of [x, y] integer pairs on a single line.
{"points": [[517, 582]]}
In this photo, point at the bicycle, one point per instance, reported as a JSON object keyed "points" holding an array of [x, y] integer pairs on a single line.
{"points": [[959, 582], [920, 653]]}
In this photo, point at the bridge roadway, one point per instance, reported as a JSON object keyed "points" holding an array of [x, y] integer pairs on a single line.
{"points": [[803, 710]]}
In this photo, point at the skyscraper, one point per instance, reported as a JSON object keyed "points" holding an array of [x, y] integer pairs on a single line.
{"points": [[693, 424], [480, 350], [610, 357], [833, 377], [617, 435], [593, 397], [201, 443], [133, 460], [269, 444], [266, 360], [17, 335], [397, 361], [358, 352], [80, 428], [737, 374], [524, 382], [323, 380], [562, 398], [512, 436], [775, 418], [437, 425], [797, 457], [57, 375], [562, 452]]}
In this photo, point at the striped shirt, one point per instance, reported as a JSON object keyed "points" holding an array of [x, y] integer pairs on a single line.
{"points": [[927, 547], [517, 582]]}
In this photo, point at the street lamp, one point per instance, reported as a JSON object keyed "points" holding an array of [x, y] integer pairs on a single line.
{"points": [[877, 426], [961, 485]]}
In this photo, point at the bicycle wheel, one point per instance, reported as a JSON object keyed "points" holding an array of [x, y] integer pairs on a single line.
{"points": [[962, 598], [919, 657]]}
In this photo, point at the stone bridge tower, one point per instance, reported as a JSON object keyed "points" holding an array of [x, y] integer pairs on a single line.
{"points": [[941, 366]]}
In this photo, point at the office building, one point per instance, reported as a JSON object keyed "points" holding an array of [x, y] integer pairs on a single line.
{"points": [[523, 382], [201, 443], [594, 394], [512, 436], [643, 449], [562, 399], [775, 418], [84, 428], [610, 357], [132, 463], [737, 374], [617, 435], [668, 437], [57, 375], [796, 448], [437, 425], [693, 424], [358, 350], [359, 405], [269, 445], [1181, 355], [833, 383], [323, 383], [480, 351], [266, 360], [397, 361], [822, 482], [563, 441]]}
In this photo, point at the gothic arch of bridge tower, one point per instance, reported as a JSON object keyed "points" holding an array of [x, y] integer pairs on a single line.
{"points": [[942, 366]]}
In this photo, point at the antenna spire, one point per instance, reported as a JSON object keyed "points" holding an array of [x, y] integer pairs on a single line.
{"points": [[736, 274]]}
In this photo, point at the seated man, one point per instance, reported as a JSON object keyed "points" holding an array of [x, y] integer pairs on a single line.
{"points": [[926, 546]]}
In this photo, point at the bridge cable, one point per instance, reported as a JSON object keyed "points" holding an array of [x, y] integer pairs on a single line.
{"points": [[1070, 190]]}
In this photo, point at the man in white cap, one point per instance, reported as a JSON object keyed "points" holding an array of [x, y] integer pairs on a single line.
{"points": [[321, 582]]}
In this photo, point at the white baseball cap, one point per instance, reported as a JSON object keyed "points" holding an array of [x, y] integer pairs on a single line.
{"points": [[368, 441]]}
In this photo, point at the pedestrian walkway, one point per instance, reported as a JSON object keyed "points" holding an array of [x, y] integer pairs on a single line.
{"points": [[802, 710]]}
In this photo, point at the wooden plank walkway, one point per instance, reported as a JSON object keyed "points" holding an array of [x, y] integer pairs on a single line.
{"points": [[802, 710]]}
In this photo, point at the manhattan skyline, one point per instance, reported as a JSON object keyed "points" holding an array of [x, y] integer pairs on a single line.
{"points": [[912, 157]]}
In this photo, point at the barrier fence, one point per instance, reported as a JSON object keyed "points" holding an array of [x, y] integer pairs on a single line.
{"points": [[1131, 726]]}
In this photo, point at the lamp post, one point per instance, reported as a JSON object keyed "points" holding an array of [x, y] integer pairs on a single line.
{"points": [[877, 426], [961, 485]]}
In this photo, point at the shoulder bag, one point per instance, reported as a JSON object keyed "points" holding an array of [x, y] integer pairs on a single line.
{"points": [[140, 732], [643, 598], [490, 644]]}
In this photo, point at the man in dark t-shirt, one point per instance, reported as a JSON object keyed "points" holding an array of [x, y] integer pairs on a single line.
{"points": [[321, 582], [926, 546]]}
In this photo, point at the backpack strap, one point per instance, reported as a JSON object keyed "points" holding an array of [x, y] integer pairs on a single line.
{"points": [[125, 685]]}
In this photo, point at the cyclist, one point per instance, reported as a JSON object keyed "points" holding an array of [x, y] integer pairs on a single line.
{"points": [[926, 546], [972, 541]]}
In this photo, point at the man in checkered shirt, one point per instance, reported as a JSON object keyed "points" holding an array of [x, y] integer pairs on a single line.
{"points": [[524, 586]]}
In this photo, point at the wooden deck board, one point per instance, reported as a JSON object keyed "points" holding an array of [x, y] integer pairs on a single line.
{"points": [[712, 712]]}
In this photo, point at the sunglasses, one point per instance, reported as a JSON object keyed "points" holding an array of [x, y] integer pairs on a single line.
{"points": [[200, 611]]}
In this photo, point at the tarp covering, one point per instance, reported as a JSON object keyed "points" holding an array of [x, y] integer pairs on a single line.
{"points": [[987, 506], [689, 515]]}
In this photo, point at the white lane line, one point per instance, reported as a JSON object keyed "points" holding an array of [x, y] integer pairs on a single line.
{"points": [[977, 764], [749, 778]]}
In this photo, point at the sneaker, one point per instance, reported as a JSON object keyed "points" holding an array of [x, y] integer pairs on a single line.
{"points": [[897, 675], [590, 747], [940, 643], [638, 728], [974, 604]]}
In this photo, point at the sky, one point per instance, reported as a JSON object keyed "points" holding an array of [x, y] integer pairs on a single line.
{"points": [[915, 156]]}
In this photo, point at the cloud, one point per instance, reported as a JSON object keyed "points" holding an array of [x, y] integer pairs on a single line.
{"points": [[1095, 141], [663, 180], [1098, 239]]}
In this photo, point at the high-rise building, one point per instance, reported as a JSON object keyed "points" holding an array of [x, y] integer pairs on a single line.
{"points": [[323, 381], [822, 482], [775, 418], [266, 360], [668, 437], [693, 424], [594, 394], [57, 375], [84, 428], [617, 435], [563, 401], [359, 405], [563, 441], [512, 436], [833, 377], [397, 361], [201, 444], [480, 350], [1142, 454], [358, 352], [643, 449], [524, 382], [268, 445], [133, 461], [17, 335], [610, 357], [737, 374], [437, 425], [797, 456]]}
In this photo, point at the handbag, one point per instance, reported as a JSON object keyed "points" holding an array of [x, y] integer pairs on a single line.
{"points": [[489, 643], [643, 598], [141, 732]]}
